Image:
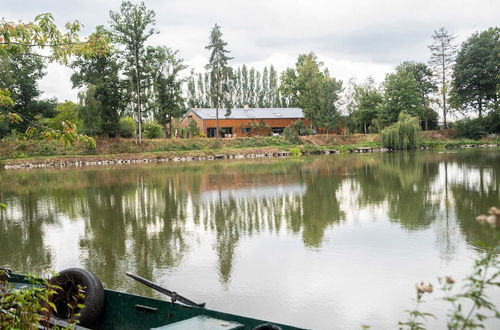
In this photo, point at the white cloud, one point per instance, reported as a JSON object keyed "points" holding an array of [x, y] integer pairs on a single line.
{"points": [[355, 38]]}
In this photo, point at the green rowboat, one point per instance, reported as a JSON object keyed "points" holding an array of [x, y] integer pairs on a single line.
{"points": [[109, 309]]}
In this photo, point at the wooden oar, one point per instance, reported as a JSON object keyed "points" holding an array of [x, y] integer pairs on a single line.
{"points": [[171, 294]]}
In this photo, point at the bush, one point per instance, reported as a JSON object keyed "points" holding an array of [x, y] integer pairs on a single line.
{"points": [[127, 127], [295, 152], [46, 148], [152, 130], [192, 129], [479, 127], [402, 135]]}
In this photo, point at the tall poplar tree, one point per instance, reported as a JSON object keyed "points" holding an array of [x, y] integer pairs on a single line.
{"points": [[131, 27], [443, 52]]}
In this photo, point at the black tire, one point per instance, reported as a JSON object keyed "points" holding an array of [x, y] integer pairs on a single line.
{"points": [[93, 301], [267, 326]]}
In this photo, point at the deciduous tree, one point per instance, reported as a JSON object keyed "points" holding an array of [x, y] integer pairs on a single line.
{"points": [[476, 77]]}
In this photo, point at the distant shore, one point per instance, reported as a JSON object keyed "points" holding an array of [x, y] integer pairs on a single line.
{"points": [[50, 154]]}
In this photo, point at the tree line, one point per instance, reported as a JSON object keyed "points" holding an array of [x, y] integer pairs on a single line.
{"points": [[132, 89]]}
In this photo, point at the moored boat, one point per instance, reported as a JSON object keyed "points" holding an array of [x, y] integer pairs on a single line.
{"points": [[109, 309]]}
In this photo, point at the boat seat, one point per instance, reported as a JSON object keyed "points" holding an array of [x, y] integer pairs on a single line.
{"points": [[201, 322]]}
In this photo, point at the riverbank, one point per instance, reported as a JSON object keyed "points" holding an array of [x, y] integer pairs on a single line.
{"points": [[40, 154]]}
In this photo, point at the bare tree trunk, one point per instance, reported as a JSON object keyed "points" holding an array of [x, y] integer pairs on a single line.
{"points": [[443, 92], [217, 122], [139, 111]]}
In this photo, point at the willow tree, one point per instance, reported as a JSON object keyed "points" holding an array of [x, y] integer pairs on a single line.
{"points": [[402, 135], [220, 73]]}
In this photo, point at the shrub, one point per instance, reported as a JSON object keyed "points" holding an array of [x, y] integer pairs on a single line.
{"points": [[295, 152], [45, 148], [192, 129], [402, 135], [127, 127], [152, 130], [470, 128]]}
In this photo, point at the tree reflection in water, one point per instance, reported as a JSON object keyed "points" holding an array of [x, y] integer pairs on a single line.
{"points": [[141, 219]]}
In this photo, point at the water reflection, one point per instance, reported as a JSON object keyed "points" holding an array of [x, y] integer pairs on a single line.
{"points": [[148, 219]]}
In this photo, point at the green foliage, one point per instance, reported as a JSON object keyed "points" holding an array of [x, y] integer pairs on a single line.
{"points": [[152, 130], [104, 91], [32, 306], [470, 128], [476, 75], [368, 102], [220, 73], [65, 112], [131, 27], [127, 127], [295, 152], [402, 94], [164, 67], [192, 129], [403, 135], [313, 89]]}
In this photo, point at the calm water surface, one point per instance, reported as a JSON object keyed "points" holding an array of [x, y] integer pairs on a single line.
{"points": [[332, 242]]}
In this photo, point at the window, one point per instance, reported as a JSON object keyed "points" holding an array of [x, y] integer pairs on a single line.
{"points": [[246, 130], [277, 130]]}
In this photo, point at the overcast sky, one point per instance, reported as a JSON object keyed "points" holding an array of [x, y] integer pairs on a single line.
{"points": [[356, 38]]}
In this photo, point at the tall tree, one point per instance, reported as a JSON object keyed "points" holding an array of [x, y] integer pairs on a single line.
{"points": [[20, 75], [368, 101], [273, 88], [401, 94], [220, 73], [131, 27], [165, 67], [476, 78], [443, 52], [102, 72], [425, 85], [313, 89]]}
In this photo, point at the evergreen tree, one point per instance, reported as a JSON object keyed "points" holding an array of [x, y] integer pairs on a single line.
{"points": [[220, 73], [443, 52]]}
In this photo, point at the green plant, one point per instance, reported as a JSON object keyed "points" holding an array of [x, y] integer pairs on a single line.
{"points": [[46, 148], [192, 129], [295, 152], [402, 135], [152, 130], [32, 306], [471, 307], [127, 127]]}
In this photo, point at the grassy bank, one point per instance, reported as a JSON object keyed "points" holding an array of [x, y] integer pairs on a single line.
{"points": [[17, 152]]}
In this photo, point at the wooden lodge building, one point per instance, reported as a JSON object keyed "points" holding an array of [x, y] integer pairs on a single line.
{"points": [[242, 121]]}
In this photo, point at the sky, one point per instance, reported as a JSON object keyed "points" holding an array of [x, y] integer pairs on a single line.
{"points": [[357, 38]]}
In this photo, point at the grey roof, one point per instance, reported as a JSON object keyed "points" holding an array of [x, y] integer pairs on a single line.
{"points": [[250, 113]]}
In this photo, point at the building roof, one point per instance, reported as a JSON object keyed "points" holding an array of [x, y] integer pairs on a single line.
{"points": [[250, 113]]}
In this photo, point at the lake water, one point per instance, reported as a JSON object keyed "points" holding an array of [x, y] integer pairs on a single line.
{"points": [[330, 242]]}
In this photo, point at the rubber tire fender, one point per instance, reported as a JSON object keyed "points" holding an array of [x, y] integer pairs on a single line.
{"points": [[93, 301]]}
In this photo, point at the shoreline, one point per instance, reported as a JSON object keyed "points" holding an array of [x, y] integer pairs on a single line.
{"points": [[198, 155]]}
